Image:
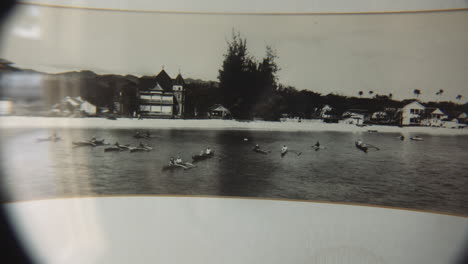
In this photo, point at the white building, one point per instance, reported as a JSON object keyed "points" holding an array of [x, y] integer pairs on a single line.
{"points": [[156, 102], [76, 105], [453, 124], [353, 118], [411, 114], [164, 98], [435, 118], [462, 118], [326, 111]]}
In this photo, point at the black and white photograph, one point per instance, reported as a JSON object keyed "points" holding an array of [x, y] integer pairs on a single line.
{"points": [[362, 109], [234, 131]]}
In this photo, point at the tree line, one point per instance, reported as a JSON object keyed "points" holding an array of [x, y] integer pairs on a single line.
{"points": [[249, 87]]}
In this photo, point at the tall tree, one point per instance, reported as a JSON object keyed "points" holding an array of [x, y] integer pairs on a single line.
{"points": [[266, 83], [459, 97], [371, 92], [417, 92], [244, 82], [236, 77], [360, 93]]}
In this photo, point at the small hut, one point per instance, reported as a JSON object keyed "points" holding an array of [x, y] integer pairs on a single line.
{"points": [[218, 111]]}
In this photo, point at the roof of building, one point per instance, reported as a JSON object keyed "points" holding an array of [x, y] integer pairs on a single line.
{"points": [[179, 80], [218, 107], [157, 87], [463, 115], [437, 112], [164, 80], [416, 104]]}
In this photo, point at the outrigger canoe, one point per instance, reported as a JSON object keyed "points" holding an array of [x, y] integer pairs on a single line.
{"points": [[185, 166], [84, 143], [113, 149], [54, 139], [90, 143], [362, 147], [317, 148], [140, 149], [117, 148], [261, 151], [203, 156], [417, 138]]}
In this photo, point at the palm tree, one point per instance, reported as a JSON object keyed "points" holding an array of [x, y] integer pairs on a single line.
{"points": [[440, 92], [360, 93], [390, 95], [459, 97], [371, 92], [417, 92]]}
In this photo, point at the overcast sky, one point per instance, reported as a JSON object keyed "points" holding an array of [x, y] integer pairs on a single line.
{"points": [[386, 53]]}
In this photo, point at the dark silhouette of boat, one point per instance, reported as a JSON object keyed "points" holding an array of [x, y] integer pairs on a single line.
{"points": [[361, 146], [203, 156]]}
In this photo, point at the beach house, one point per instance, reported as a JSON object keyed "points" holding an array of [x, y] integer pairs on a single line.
{"points": [[355, 116], [435, 117], [411, 114], [162, 96], [462, 118], [326, 112]]}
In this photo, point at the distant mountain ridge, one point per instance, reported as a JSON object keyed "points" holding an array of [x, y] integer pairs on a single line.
{"points": [[99, 89]]}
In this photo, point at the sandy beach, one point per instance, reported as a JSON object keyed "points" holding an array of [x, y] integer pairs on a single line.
{"points": [[127, 123]]}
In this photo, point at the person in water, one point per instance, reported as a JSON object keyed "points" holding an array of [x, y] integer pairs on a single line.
{"points": [[317, 145], [142, 145], [178, 160], [257, 147], [148, 134], [117, 144], [93, 139]]}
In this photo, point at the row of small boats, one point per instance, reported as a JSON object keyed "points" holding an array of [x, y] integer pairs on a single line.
{"points": [[112, 148]]}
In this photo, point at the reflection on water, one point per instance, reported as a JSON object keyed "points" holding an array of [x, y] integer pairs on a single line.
{"points": [[429, 175]]}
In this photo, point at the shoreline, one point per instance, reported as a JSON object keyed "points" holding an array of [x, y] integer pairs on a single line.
{"points": [[213, 124]]}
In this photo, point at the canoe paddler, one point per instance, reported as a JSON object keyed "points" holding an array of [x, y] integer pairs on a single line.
{"points": [[284, 149], [208, 151], [172, 161]]}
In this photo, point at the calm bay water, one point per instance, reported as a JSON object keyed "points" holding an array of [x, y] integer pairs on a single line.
{"points": [[429, 175]]}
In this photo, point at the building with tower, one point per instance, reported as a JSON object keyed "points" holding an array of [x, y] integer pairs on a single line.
{"points": [[161, 96]]}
